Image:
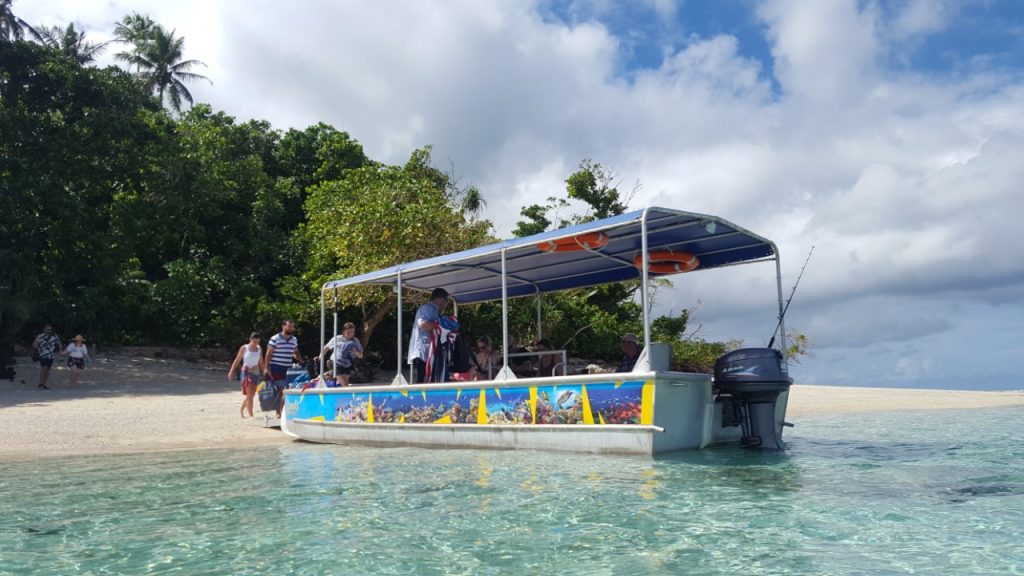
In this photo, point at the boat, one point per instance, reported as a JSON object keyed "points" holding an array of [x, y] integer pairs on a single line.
{"points": [[647, 411]]}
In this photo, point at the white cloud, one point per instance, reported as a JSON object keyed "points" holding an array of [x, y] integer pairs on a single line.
{"points": [[923, 17], [824, 51], [665, 9]]}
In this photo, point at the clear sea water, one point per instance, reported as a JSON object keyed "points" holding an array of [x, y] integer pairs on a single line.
{"points": [[899, 493]]}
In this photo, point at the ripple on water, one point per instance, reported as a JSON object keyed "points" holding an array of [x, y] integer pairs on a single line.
{"points": [[865, 494]]}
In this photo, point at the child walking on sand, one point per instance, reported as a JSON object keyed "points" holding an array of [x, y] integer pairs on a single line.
{"points": [[77, 354], [250, 357]]}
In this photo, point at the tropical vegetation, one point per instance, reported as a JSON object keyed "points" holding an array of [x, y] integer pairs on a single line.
{"points": [[138, 224]]}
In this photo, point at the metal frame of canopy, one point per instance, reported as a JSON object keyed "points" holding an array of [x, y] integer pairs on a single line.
{"points": [[482, 274]]}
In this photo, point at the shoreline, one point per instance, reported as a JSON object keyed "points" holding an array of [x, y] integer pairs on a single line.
{"points": [[135, 404]]}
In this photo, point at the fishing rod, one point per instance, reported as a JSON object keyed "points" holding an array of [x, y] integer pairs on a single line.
{"points": [[791, 294]]}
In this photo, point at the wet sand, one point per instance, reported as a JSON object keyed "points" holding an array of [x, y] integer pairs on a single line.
{"points": [[140, 404]]}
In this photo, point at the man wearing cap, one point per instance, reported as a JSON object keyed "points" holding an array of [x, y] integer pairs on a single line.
{"points": [[427, 317], [631, 350]]}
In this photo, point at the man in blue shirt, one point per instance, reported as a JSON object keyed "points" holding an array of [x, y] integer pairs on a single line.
{"points": [[427, 317], [281, 350]]}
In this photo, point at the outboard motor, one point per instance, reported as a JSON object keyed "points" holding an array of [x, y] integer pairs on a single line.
{"points": [[754, 378]]}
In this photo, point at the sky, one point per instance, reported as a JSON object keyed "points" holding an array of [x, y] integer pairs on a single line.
{"points": [[887, 135]]}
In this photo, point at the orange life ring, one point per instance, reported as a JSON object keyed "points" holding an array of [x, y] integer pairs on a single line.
{"points": [[591, 241], [667, 262]]}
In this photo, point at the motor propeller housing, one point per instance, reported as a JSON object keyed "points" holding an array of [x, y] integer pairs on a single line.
{"points": [[753, 378]]}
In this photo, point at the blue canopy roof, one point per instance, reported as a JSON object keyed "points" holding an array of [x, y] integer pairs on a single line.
{"points": [[475, 275]]}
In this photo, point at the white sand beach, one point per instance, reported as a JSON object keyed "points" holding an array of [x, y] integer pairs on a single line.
{"points": [[131, 403], [809, 400], [127, 404]]}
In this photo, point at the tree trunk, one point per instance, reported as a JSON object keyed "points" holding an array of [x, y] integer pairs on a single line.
{"points": [[374, 319]]}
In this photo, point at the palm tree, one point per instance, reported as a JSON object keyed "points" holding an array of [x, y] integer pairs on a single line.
{"points": [[11, 27], [157, 58], [473, 202], [134, 29], [69, 42]]}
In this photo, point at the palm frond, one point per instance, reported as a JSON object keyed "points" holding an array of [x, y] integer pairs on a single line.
{"points": [[12, 27], [47, 36], [133, 28], [191, 77], [186, 64], [183, 91], [70, 42]]}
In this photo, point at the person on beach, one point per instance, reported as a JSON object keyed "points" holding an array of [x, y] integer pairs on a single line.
{"points": [[77, 353], [282, 349], [250, 359], [345, 347], [46, 346], [427, 317], [630, 350]]}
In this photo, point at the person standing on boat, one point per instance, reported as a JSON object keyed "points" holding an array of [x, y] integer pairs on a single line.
{"points": [[281, 350], [78, 354], [45, 346], [423, 337], [250, 358], [346, 347], [631, 351]]}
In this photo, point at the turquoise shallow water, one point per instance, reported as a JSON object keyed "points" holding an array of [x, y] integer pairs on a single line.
{"points": [[911, 493]]}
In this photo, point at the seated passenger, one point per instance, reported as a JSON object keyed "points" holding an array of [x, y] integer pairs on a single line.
{"points": [[483, 362], [521, 366], [631, 350], [545, 362]]}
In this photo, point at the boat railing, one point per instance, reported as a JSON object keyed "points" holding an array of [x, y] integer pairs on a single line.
{"points": [[560, 353]]}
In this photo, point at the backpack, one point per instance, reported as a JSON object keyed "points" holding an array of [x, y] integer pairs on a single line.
{"points": [[268, 396]]}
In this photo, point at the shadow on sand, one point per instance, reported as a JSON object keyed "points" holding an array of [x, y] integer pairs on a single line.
{"points": [[116, 376]]}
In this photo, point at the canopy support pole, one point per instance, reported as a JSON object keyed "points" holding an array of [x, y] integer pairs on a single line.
{"points": [[504, 314], [782, 321], [323, 326], [505, 373], [399, 379], [335, 291], [540, 333], [645, 261]]}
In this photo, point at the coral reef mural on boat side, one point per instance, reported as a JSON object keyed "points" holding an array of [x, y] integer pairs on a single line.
{"points": [[603, 403]]}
